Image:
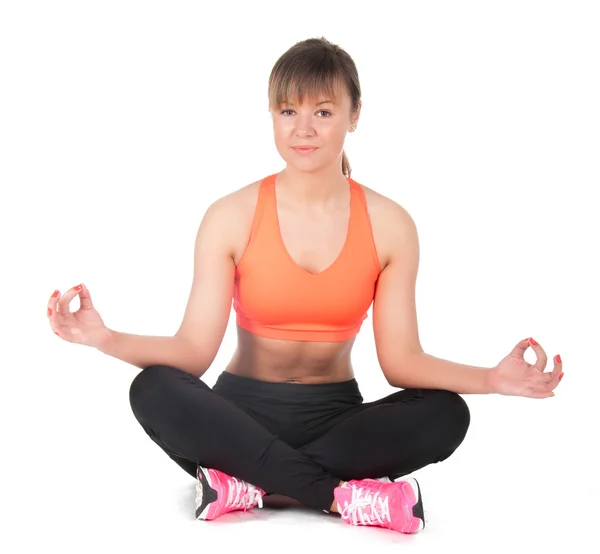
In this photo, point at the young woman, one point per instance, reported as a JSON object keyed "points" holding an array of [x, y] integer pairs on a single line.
{"points": [[310, 250]]}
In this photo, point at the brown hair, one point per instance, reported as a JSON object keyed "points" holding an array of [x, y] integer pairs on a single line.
{"points": [[310, 68]]}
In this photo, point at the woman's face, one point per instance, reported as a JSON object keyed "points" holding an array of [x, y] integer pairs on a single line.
{"points": [[318, 123]]}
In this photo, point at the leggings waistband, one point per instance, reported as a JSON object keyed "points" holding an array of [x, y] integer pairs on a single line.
{"points": [[326, 390]]}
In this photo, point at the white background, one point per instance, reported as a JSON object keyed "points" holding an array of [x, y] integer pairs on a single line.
{"points": [[122, 121]]}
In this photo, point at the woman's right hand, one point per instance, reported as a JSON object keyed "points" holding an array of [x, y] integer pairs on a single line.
{"points": [[85, 326]]}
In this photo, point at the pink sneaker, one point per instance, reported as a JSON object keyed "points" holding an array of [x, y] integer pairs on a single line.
{"points": [[392, 505], [218, 493]]}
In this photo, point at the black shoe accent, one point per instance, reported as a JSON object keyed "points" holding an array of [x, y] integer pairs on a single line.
{"points": [[208, 493], [418, 507]]}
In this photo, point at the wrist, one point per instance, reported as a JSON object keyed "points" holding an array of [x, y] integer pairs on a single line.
{"points": [[490, 381], [105, 343]]}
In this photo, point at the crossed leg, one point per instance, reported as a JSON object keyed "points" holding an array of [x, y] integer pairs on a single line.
{"points": [[391, 436]]}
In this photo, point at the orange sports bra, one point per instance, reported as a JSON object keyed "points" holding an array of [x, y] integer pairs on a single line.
{"points": [[274, 297]]}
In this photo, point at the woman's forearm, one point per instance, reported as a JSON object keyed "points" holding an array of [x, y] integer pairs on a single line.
{"points": [[143, 351], [428, 372]]}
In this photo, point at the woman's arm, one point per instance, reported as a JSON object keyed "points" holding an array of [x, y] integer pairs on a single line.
{"points": [[197, 341], [428, 372], [395, 326], [143, 351]]}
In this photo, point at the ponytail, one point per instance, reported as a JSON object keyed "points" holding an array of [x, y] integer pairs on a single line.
{"points": [[346, 169]]}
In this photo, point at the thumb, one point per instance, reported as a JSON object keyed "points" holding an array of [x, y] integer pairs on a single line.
{"points": [[85, 298]]}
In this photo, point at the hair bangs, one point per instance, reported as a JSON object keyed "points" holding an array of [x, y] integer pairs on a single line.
{"points": [[306, 82]]}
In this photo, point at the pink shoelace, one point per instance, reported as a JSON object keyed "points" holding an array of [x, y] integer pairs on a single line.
{"points": [[366, 507], [242, 495]]}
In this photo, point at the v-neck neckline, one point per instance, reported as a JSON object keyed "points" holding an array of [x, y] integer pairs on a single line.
{"points": [[282, 243]]}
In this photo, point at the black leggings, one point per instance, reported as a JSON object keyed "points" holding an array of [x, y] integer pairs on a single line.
{"points": [[297, 440]]}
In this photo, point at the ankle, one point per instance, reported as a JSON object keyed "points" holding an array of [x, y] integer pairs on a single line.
{"points": [[334, 505]]}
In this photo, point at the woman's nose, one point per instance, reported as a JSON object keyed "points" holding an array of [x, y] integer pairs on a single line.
{"points": [[304, 126]]}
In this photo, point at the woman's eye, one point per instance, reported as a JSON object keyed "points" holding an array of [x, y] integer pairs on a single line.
{"points": [[320, 111]]}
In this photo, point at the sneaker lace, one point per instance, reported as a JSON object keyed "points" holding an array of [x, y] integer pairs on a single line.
{"points": [[242, 495], [367, 507]]}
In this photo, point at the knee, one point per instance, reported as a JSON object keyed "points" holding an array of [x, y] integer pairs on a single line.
{"points": [[454, 413], [145, 386]]}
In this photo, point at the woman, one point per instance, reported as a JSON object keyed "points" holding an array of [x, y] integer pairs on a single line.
{"points": [[310, 251]]}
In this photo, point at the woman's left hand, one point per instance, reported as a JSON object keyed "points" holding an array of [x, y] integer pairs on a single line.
{"points": [[513, 376]]}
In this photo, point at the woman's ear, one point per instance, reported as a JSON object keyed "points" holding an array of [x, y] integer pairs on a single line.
{"points": [[356, 114]]}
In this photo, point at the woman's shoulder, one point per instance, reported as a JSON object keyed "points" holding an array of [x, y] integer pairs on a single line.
{"points": [[383, 207], [390, 222], [234, 214], [237, 202]]}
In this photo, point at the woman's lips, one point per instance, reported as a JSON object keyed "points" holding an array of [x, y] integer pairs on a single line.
{"points": [[304, 151]]}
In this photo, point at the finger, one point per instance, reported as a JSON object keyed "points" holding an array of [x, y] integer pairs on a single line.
{"points": [[59, 329], [543, 395], [545, 383], [539, 380], [519, 350], [65, 301], [545, 378], [539, 392], [557, 371], [52, 302], [542, 359], [85, 298], [55, 320]]}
